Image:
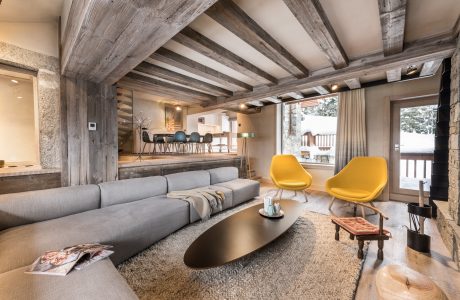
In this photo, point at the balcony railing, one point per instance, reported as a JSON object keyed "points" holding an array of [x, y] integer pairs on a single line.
{"points": [[413, 164], [322, 141]]}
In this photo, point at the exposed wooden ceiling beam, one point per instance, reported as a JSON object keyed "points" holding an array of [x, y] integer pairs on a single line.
{"points": [[104, 40], [171, 58], [394, 75], [392, 22], [198, 42], [311, 16], [232, 17], [321, 90], [295, 95], [272, 99], [166, 74], [255, 103], [431, 67], [415, 54], [353, 83], [157, 87]]}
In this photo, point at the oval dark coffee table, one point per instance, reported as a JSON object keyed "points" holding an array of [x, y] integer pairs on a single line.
{"points": [[239, 235]]}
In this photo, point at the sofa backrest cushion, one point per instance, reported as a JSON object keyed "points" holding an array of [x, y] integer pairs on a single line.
{"points": [[129, 190], [223, 174], [35, 206], [188, 180]]}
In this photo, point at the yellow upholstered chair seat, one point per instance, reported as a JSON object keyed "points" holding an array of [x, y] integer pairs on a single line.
{"points": [[356, 194], [361, 180], [288, 174]]}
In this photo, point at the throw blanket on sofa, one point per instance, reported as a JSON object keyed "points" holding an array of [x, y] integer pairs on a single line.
{"points": [[205, 200]]}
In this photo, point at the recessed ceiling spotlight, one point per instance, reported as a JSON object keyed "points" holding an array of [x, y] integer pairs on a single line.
{"points": [[243, 106], [19, 97], [411, 70], [334, 87], [14, 81], [178, 108]]}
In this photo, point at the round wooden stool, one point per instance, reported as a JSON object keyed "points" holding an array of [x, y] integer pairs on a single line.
{"points": [[398, 282]]}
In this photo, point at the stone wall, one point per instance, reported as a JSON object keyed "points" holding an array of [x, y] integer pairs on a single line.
{"points": [[454, 149], [48, 81]]}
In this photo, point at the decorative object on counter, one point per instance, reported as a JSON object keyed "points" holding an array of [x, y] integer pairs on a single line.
{"points": [[2, 163], [416, 237], [245, 151]]}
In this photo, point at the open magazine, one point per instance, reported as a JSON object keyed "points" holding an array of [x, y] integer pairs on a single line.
{"points": [[61, 262]]}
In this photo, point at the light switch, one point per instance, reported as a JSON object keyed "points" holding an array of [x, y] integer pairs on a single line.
{"points": [[92, 126]]}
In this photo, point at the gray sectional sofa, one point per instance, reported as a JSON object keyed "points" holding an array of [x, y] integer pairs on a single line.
{"points": [[129, 214]]}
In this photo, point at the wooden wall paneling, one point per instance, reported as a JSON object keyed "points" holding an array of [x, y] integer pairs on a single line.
{"points": [[24, 183]]}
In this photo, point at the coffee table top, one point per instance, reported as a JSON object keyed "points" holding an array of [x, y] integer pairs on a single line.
{"points": [[239, 235]]}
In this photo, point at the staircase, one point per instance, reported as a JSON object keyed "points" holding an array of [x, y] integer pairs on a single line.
{"points": [[125, 120], [440, 172]]}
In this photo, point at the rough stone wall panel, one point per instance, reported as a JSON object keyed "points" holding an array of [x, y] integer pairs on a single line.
{"points": [[454, 143], [48, 85]]}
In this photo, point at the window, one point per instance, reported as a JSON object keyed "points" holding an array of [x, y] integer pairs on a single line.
{"points": [[309, 130], [18, 119]]}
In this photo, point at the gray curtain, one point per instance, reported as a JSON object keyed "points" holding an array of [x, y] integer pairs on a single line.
{"points": [[351, 128]]}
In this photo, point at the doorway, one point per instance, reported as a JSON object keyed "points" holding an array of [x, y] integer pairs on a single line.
{"points": [[413, 124]]}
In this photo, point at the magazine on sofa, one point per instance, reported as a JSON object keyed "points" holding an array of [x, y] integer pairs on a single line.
{"points": [[61, 262]]}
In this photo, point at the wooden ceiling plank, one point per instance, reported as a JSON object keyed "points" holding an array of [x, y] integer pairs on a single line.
{"points": [[272, 99], [372, 64], [394, 75], [171, 58], [104, 40], [313, 19], [233, 18], [392, 22], [201, 44], [295, 95], [321, 90], [353, 83], [430, 68], [167, 88], [166, 74], [255, 103]]}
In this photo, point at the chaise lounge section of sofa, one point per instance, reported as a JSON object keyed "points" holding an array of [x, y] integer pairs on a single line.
{"points": [[129, 214]]}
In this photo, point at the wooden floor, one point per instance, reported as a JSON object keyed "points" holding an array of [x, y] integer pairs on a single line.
{"points": [[438, 265]]}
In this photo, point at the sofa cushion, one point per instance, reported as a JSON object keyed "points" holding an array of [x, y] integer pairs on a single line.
{"points": [[223, 174], [35, 206], [97, 281], [129, 227], [188, 180], [243, 189], [129, 190]]}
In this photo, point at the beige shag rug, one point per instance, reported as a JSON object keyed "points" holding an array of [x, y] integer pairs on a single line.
{"points": [[304, 263]]}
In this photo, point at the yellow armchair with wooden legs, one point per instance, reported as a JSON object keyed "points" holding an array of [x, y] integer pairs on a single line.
{"points": [[288, 174], [361, 180]]}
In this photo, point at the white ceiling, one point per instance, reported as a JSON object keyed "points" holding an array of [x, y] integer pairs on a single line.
{"points": [[30, 10]]}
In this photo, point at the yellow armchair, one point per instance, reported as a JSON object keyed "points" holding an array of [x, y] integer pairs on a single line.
{"points": [[288, 174], [361, 180]]}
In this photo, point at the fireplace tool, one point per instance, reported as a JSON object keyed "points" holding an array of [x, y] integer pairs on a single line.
{"points": [[418, 212]]}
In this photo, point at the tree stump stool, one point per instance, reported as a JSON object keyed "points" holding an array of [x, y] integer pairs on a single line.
{"points": [[398, 282]]}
